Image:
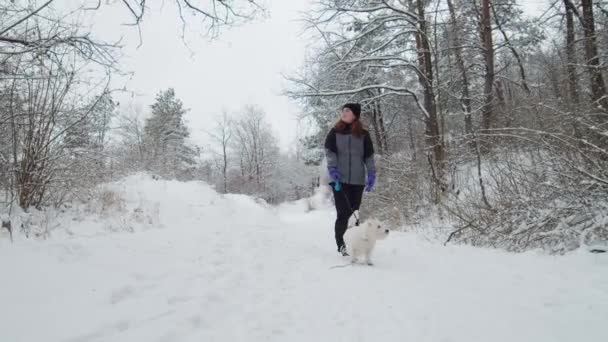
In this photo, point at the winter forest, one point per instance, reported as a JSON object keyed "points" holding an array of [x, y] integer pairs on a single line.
{"points": [[491, 119], [135, 208], [483, 116]]}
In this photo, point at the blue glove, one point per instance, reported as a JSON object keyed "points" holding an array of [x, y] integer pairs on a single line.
{"points": [[371, 181], [335, 176]]}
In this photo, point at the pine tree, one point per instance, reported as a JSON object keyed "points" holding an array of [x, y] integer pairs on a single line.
{"points": [[89, 129], [165, 136]]}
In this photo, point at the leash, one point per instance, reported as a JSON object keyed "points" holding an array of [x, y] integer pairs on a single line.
{"points": [[340, 266], [352, 211]]}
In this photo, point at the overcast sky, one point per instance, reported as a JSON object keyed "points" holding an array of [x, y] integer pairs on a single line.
{"points": [[243, 66]]}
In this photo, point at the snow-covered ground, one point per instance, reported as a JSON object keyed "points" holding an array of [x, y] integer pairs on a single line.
{"points": [[199, 266]]}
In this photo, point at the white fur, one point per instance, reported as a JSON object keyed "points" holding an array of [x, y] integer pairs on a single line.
{"points": [[361, 239]]}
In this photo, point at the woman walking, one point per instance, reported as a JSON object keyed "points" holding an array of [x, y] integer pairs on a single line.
{"points": [[350, 162]]}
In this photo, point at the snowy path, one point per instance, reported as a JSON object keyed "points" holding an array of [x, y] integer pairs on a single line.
{"points": [[226, 269]]}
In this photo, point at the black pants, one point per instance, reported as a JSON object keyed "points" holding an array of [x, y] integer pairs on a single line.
{"points": [[347, 200]]}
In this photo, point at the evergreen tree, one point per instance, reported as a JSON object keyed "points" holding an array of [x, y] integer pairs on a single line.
{"points": [[165, 136]]}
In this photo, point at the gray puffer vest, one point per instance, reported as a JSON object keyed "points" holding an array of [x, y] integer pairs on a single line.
{"points": [[351, 155]]}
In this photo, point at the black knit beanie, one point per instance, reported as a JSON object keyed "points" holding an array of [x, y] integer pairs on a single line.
{"points": [[355, 108]]}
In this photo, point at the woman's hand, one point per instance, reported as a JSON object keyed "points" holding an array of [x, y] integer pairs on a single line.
{"points": [[371, 181], [334, 174]]}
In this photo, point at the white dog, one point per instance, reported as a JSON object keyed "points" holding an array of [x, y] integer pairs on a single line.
{"points": [[362, 239]]}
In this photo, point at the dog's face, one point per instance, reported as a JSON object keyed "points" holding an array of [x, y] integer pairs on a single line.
{"points": [[376, 228]]}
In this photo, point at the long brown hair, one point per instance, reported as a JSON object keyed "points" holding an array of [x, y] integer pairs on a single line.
{"points": [[357, 127]]}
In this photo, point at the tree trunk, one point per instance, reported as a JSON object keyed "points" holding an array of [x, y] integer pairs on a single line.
{"points": [[383, 136], [432, 131], [412, 137], [598, 88], [465, 98], [14, 171], [379, 144], [378, 126], [225, 166], [520, 64], [485, 29], [570, 53]]}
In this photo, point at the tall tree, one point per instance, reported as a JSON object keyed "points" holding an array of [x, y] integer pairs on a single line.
{"points": [[426, 77], [222, 135], [457, 41], [485, 31], [257, 146], [598, 87], [571, 52], [92, 131], [165, 135]]}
